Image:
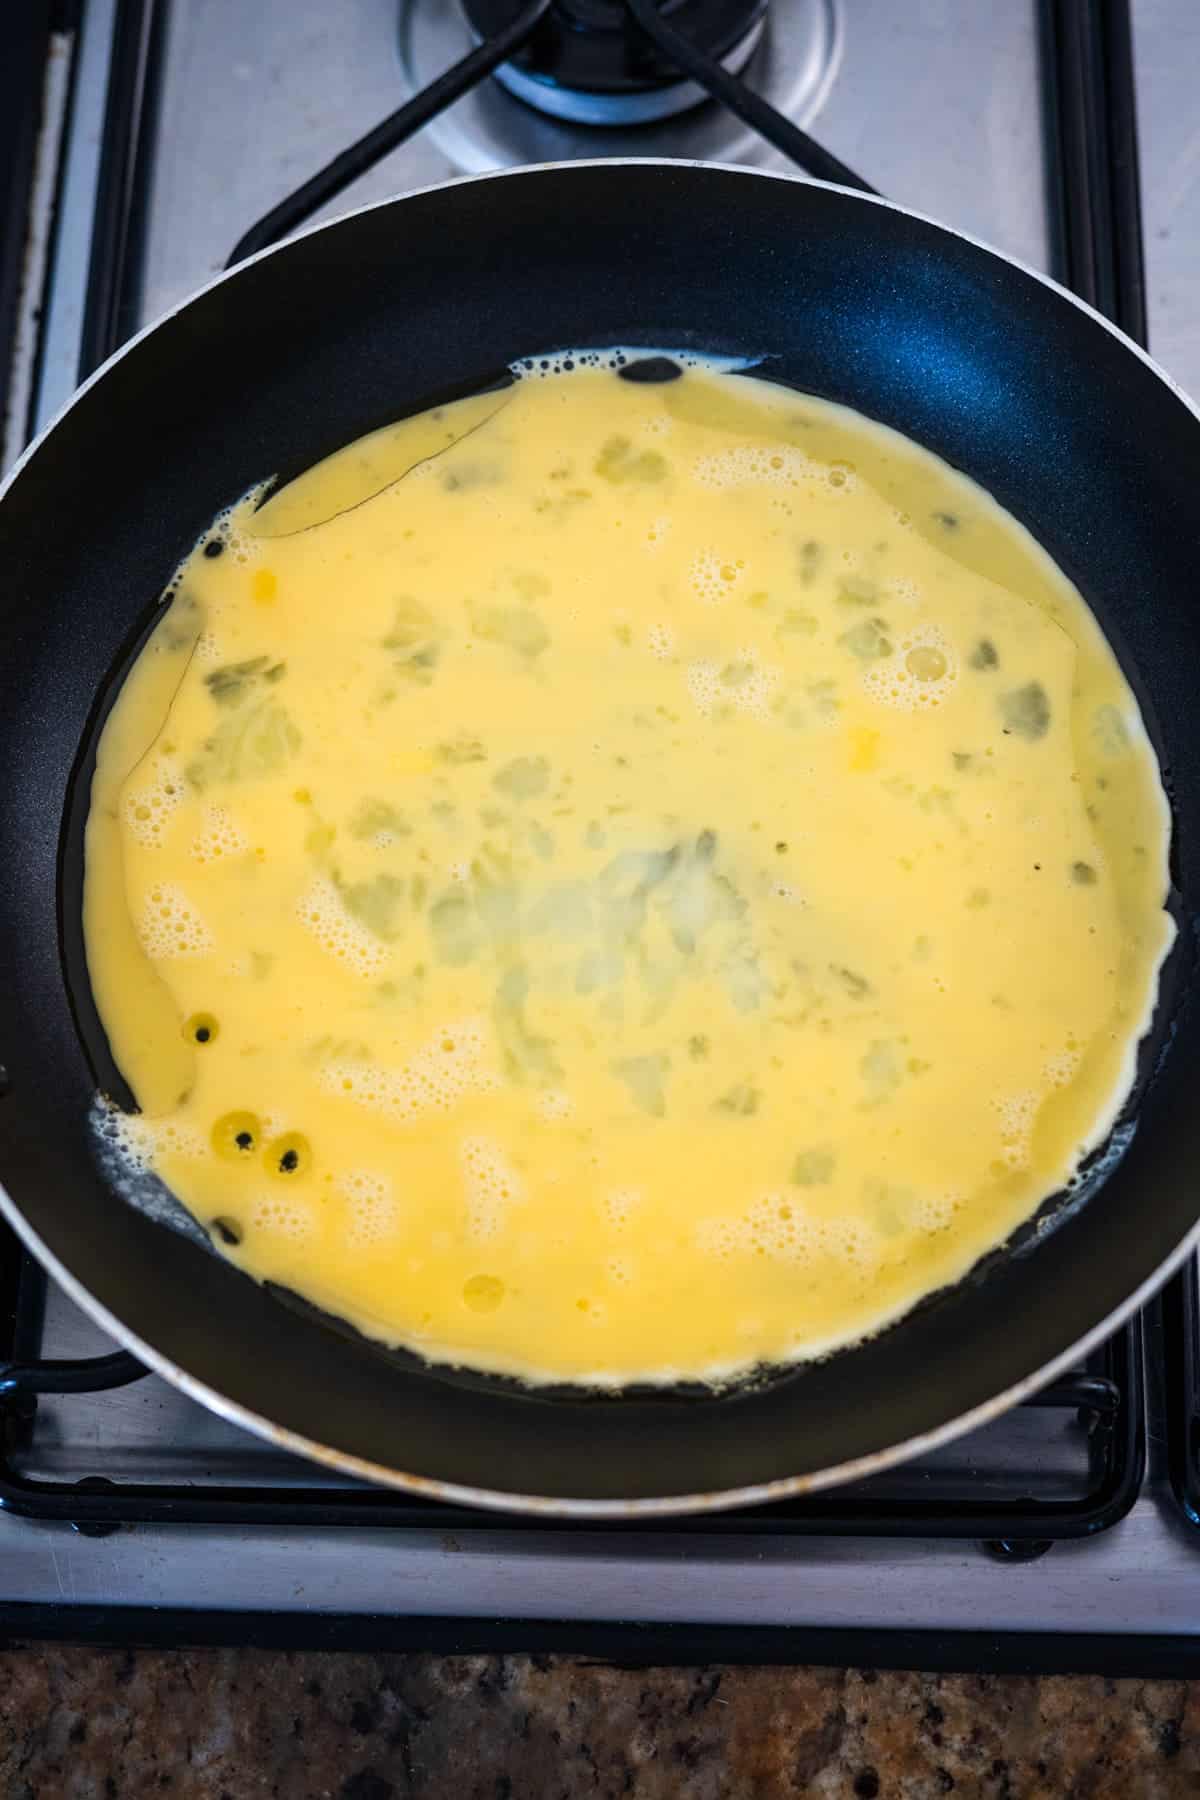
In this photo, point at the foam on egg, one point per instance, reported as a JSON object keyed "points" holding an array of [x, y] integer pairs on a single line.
{"points": [[778, 1226], [704, 685], [553, 1103], [491, 1185], [219, 835], [619, 1205], [452, 1063], [282, 1215], [341, 936], [170, 925], [922, 671], [1062, 1068], [931, 1211], [139, 1140], [899, 587], [372, 1211], [768, 465], [713, 578], [1018, 1114], [744, 685], [616, 357], [836, 479], [126, 1145], [160, 792]]}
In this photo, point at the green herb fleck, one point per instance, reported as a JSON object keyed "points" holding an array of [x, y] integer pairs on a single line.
{"points": [[460, 750], [524, 778], [813, 1168], [1108, 728], [517, 627], [253, 741], [414, 639], [234, 682], [526, 1056], [618, 461], [856, 590], [857, 986], [377, 903], [644, 1076], [1026, 711], [868, 640], [741, 1101], [371, 818], [810, 561]]}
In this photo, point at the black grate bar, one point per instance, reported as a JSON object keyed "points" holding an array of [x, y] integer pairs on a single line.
{"points": [[1094, 136], [751, 108], [22, 79], [391, 132], [127, 123], [1180, 1313], [904, 1503]]}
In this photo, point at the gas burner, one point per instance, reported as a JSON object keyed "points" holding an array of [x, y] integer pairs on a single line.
{"points": [[589, 63]]}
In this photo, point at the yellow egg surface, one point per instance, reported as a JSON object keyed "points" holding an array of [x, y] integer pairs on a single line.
{"points": [[615, 881]]}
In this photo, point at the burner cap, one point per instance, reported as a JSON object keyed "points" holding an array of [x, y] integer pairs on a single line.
{"points": [[590, 62]]}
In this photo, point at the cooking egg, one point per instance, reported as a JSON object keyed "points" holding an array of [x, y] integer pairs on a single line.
{"points": [[611, 881]]}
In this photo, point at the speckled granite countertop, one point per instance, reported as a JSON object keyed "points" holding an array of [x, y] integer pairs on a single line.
{"points": [[219, 1725]]}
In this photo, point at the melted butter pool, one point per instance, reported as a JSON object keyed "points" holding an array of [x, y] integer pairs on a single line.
{"points": [[610, 881]]}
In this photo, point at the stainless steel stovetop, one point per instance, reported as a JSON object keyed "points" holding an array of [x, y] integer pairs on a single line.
{"points": [[940, 104]]}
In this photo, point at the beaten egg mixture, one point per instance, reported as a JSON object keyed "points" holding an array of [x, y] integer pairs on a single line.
{"points": [[613, 881]]}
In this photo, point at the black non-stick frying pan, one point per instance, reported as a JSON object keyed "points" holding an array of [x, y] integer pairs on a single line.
{"points": [[390, 310]]}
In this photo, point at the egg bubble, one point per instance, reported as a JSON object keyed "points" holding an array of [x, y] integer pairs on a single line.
{"points": [[921, 672]]}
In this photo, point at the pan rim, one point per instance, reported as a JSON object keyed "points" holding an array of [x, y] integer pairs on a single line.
{"points": [[549, 1506]]}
